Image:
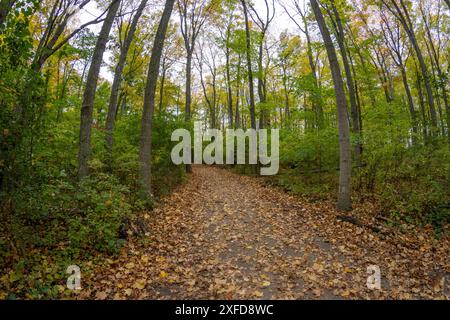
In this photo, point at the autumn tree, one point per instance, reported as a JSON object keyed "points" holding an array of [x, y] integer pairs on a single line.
{"points": [[145, 149], [129, 30], [249, 65], [400, 10], [344, 202], [89, 93]]}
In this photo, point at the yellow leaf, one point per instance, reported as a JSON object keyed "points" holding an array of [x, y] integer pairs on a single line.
{"points": [[163, 274], [140, 284], [129, 265], [265, 283], [345, 293], [128, 292], [258, 294]]}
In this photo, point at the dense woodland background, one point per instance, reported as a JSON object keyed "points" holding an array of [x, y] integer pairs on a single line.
{"points": [[359, 90]]}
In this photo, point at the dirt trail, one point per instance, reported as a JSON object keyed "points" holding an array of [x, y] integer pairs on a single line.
{"points": [[225, 236]]}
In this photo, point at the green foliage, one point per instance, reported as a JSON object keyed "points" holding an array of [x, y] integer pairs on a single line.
{"points": [[405, 176]]}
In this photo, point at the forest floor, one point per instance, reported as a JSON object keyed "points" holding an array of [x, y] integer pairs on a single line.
{"points": [[225, 236]]}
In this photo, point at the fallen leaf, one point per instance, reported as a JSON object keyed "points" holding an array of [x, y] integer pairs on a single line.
{"points": [[100, 295]]}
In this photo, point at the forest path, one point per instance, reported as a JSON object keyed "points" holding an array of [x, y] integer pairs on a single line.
{"points": [[226, 236]]}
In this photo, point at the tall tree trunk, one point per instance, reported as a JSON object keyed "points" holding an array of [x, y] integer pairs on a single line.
{"points": [[238, 92], [161, 88], [254, 168], [261, 89], [145, 149], [350, 84], [286, 94], [188, 85], [441, 76], [421, 102], [89, 93], [409, 98], [344, 195], [249, 66], [113, 100], [83, 75], [316, 97], [405, 20], [229, 89], [188, 94]]}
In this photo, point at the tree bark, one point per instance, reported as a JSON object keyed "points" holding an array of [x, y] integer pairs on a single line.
{"points": [[404, 18], [113, 100], [188, 95], [409, 98], [344, 195], [145, 150], [188, 86], [161, 88], [238, 93], [89, 93], [249, 66], [316, 98], [229, 89], [441, 76], [350, 84]]}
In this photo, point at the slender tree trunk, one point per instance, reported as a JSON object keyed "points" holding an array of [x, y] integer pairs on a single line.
{"points": [[261, 89], [229, 89], [409, 98], [238, 92], [89, 93], [317, 99], [188, 85], [145, 150], [249, 66], [286, 94], [441, 77], [83, 75], [161, 88], [209, 102], [405, 20], [113, 100], [254, 168], [188, 94], [344, 195], [350, 84], [214, 102], [421, 103]]}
